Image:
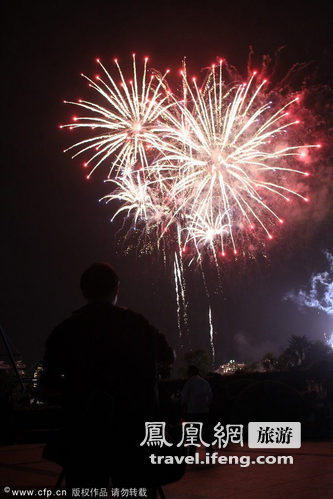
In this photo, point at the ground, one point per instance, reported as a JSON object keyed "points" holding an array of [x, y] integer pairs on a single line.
{"points": [[310, 476]]}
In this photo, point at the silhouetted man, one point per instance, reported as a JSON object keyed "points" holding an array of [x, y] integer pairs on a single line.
{"points": [[103, 361]]}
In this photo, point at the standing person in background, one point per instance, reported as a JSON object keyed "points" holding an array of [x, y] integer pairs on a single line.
{"points": [[196, 400]]}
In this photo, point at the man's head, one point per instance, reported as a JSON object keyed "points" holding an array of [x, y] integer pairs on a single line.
{"points": [[192, 371], [99, 283]]}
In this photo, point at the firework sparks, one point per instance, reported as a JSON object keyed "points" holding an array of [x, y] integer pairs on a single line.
{"points": [[207, 171], [232, 162], [213, 163], [124, 130]]}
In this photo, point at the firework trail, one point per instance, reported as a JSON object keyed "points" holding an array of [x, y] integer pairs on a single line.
{"points": [[211, 334], [208, 171], [180, 296], [176, 278]]}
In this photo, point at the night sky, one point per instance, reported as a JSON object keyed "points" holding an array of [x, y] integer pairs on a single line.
{"points": [[52, 225]]}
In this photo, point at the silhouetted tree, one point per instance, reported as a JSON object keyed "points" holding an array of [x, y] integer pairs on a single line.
{"points": [[318, 351], [303, 353], [286, 360], [299, 347], [269, 361], [250, 368]]}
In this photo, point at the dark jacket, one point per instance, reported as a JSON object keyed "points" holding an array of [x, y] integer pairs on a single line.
{"points": [[104, 352]]}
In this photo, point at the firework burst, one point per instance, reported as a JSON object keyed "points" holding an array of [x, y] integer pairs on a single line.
{"points": [[124, 129], [232, 159], [212, 164], [206, 170]]}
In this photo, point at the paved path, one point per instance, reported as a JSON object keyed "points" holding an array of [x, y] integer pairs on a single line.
{"points": [[309, 477]]}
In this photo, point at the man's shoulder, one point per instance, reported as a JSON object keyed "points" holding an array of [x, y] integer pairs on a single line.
{"points": [[129, 315], [79, 325], [115, 312], [74, 322], [60, 332], [199, 381], [203, 380]]}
